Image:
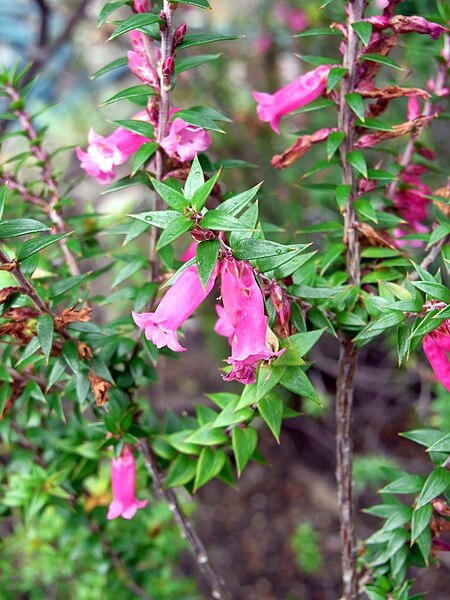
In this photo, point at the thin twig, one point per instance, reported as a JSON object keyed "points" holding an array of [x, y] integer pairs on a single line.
{"points": [[28, 288], [218, 589], [348, 354], [43, 157]]}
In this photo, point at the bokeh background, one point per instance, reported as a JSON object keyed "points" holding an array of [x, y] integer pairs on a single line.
{"points": [[275, 537]]}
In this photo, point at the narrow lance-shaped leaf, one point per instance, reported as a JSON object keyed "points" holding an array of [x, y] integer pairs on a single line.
{"points": [[244, 443], [172, 197], [194, 180], [45, 330], [210, 463], [206, 259]]}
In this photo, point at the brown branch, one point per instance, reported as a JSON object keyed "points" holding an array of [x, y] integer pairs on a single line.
{"points": [[348, 355], [218, 589]]}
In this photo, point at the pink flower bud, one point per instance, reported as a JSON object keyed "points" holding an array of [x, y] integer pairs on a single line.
{"points": [[179, 34], [123, 476], [176, 306], [414, 24], [436, 345], [168, 67], [303, 90], [184, 141]]}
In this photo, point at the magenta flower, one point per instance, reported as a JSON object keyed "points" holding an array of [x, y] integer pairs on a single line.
{"points": [[190, 252], [436, 345], [184, 141], [243, 321], [413, 110], [140, 66], [303, 90], [105, 153], [123, 476], [178, 304]]}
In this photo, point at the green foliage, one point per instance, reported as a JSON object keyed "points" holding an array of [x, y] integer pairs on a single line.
{"points": [[308, 554]]}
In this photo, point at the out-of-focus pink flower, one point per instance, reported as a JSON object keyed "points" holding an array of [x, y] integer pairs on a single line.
{"points": [[190, 252], [436, 345], [141, 6], [399, 233], [294, 18], [413, 108], [441, 92], [263, 43], [105, 153], [411, 202], [177, 305], [243, 321], [140, 66], [184, 141], [303, 90], [415, 24], [382, 4], [123, 477]]}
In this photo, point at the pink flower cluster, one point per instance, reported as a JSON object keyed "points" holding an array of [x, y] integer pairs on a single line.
{"points": [[241, 317], [411, 202], [303, 90], [436, 346], [123, 477]]}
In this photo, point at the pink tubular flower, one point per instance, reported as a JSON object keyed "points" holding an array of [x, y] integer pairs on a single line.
{"points": [[123, 476], [184, 141], [303, 90], [105, 153], [243, 321], [137, 42], [178, 304], [140, 66], [436, 344], [190, 252], [413, 108], [411, 202]]}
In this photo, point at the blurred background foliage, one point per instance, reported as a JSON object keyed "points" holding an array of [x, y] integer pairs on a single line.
{"points": [[276, 536]]}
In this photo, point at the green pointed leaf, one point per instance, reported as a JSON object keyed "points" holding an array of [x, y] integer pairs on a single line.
{"points": [[206, 258], [437, 483], [357, 160], [409, 484], [198, 39], [138, 22], [135, 126], [303, 342], [342, 194], [143, 154], [199, 3], [207, 437], [333, 142], [108, 9], [58, 369], [244, 442], [177, 227], [254, 249], [295, 380], [181, 471], [420, 521], [10, 228], [271, 410], [172, 197], [191, 62], [200, 117], [382, 60], [202, 194], [317, 31], [219, 221], [209, 464], [335, 75], [268, 377], [435, 290], [441, 445], [234, 205], [424, 437], [3, 195], [194, 180], [356, 103], [131, 93], [45, 328], [158, 218], [115, 64], [129, 269], [364, 31], [32, 246]]}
